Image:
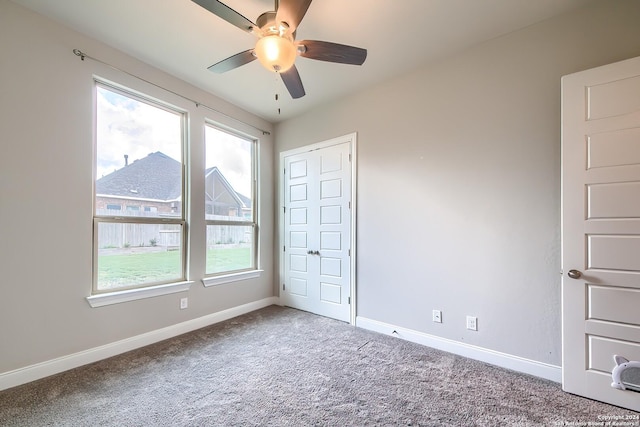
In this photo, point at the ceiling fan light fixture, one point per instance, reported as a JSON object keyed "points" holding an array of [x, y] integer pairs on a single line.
{"points": [[276, 53]]}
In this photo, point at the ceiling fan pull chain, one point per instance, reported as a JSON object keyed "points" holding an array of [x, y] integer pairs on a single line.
{"points": [[275, 87]]}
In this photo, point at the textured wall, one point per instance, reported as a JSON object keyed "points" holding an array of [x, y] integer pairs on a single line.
{"points": [[459, 181]]}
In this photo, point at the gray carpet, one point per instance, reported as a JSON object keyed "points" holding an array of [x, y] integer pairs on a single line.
{"points": [[283, 367]]}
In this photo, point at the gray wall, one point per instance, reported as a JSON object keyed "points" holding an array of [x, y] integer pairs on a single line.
{"points": [[459, 181], [46, 198]]}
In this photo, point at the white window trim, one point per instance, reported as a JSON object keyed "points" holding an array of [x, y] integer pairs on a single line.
{"points": [[100, 300], [228, 278]]}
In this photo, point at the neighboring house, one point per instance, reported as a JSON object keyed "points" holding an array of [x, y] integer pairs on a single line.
{"points": [[152, 185], [221, 198]]}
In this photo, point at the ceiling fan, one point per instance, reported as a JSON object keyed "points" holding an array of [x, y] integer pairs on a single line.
{"points": [[276, 48]]}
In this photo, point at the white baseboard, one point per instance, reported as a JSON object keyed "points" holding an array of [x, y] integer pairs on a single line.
{"points": [[64, 363], [515, 363]]}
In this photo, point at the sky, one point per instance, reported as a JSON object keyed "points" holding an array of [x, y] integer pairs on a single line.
{"points": [[128, 126], [232, 155]]}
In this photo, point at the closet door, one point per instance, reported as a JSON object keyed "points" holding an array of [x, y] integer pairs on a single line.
{"points": [[317, 230]]}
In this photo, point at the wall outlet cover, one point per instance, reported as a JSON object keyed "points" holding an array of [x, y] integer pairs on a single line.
{"points": [[472, 323]]}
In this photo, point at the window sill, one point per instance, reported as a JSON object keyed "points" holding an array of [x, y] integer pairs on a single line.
{"points": [[228, 278], [117, 297]]}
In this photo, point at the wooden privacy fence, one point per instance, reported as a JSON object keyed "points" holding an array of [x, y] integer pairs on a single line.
{"points": [[227, 234], [123, 235]]}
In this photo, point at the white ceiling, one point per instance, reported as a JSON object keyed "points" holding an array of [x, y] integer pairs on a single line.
{"points": [[183, 39]]}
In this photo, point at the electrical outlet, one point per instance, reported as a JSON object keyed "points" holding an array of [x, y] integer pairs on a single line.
{"points": [[437, 316], [472, 323], [184, 303]]}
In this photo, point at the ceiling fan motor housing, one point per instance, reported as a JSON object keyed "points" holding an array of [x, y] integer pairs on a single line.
{"points": [[266, 20]]}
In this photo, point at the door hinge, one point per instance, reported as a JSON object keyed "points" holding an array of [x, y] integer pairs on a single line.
{"points": [[285, 209], [349, 252], [284, 286], [349, 157], [349, 205], [284, 171], [284, 249], [349, 300]]}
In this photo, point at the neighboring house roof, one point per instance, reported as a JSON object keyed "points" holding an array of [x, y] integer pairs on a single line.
{"points": [[242, 200], [156, 176], [245, 200]]}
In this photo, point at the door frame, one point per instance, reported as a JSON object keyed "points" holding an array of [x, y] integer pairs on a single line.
{"points": [[351, 139]]}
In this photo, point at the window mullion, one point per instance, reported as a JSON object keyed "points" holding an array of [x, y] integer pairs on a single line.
{"points": [[138, 220], [223, 222]]}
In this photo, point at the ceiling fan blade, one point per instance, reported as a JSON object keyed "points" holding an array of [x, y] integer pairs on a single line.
{"points": [[292, 81], [292, 12], [332, 52], [225, 12], [232, 62]]}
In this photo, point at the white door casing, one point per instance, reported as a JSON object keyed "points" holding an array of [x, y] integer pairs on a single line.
{"points": [[600, 228], [316, 228]]}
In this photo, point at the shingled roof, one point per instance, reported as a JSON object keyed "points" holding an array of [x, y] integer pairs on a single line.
{"points": [[244, 200], [156, 176]]}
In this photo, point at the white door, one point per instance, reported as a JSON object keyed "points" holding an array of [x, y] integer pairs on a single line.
{"points": [[601, 228], [317, 231]]}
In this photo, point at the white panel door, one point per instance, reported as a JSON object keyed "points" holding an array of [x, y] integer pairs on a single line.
{"points": [[317, 231], [601, 228]]}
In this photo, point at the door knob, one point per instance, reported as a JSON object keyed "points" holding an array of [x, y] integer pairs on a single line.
{"points": [[574, 274]]}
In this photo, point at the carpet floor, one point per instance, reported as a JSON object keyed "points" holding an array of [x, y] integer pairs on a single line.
{"points": [[283, 367]]}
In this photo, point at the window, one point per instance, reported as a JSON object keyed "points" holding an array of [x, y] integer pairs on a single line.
{"points": [[230, 202], [139, 160]]}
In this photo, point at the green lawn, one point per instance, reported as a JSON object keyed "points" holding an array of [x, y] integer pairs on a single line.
{"points": [[224, 259], [130, 269]]}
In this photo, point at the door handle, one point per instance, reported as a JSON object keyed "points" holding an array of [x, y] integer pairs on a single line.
{"points": [[313, 252], [574, 274]]}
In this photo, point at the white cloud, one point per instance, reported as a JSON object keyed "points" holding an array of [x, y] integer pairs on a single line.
{"points": [[232, 156], [127, 126]]}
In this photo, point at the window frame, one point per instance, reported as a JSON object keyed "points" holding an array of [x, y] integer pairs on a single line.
{"points": [[123, 293], [254, 270]]}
